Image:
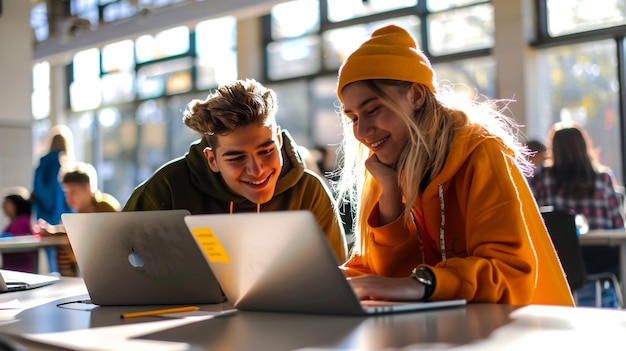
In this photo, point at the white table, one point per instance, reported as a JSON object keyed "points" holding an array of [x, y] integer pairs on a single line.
{"points": [[609, 237], [31, 242], [36, 243], [473, 327]]}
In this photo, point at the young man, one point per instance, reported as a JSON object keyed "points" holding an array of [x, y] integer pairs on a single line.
{"points": [[81, 191], [243, 163], [79, 184]]}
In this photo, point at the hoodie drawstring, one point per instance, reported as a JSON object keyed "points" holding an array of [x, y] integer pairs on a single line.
{"points": [[258, 207], [442, 239]]}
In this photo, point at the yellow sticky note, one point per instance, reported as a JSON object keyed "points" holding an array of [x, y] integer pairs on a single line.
{"points": [[212, 247]]}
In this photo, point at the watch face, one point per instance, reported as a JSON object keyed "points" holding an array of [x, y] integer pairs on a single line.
{"points": [[423, 278]]}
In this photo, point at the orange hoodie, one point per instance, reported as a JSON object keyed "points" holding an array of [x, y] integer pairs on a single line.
{"points": [[497, 248]]}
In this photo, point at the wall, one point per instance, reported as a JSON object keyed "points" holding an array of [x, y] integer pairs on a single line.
{"points": [[514, 69], [16, 160]]}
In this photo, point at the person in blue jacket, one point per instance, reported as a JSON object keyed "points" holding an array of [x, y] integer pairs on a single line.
{"points": [[47, 197]]}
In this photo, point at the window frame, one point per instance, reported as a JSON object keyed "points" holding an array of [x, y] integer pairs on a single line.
{"points": [[420, 11], [544, 40]]}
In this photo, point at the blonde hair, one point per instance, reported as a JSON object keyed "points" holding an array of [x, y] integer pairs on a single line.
{"points": [[431, 131]]}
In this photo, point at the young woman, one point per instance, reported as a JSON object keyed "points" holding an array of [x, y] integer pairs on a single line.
{"points": [[574, 179], [47, 197], [17, 209], [443, 210]]}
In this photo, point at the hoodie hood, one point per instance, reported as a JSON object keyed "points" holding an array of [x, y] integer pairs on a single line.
{"points": [[467, 139], [212, 184]]}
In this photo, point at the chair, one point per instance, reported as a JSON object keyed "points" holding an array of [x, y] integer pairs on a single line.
{"points": [[561, 225]]}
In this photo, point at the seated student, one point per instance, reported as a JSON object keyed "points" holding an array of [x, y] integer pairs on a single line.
{"points": [[444, 210], [80, 185], [575, 180], [243, 163], [17, 208]]}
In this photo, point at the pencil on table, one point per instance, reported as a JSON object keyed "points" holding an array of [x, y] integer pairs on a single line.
{"points": [[157, 312]]}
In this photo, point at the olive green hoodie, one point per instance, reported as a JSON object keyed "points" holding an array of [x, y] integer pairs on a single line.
{"points": [[188, 183]]}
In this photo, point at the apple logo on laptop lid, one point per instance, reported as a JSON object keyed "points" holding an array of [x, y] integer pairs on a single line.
{"points": [[134, 259]]}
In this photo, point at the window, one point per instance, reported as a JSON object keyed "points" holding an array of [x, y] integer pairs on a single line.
{"points": [[216, 61], [294, 110], [472, 77], [442, 5], [171, 42], [85, 9], [339, 43], [118, 164], [581, 58], [85, 91], [83, 127], [118, 57], [115, 11], [294, 48], [295, 18], [341, 10], [39, 21], [152, 149], [326, 126], [179, 135], [573, 16], [118, 63], [41, 90], [583, 87], [440, 28], [460, 30], [164, 78], [293, 57]]}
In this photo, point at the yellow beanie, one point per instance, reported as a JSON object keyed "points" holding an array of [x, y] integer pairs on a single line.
{"points": [[390, 53]]}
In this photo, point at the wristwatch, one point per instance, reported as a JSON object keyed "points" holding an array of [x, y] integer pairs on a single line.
{"points": [[425, 277]]}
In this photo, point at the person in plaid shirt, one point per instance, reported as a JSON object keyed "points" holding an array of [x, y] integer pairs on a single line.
{"points": [[574, 179]]}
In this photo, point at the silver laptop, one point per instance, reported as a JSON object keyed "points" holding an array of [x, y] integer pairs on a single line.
{"points": [[140, 258], [282, 262], [17, 281]]}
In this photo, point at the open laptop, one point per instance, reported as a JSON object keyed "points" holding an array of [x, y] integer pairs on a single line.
{"points": [[282, 262], [140, 258], [17, 281]]}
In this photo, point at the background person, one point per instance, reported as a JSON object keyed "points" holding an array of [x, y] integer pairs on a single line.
{"points": [[47, 196], [573, 179], [17, 207], [444, 210], [80, 185], [243, 163]]}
